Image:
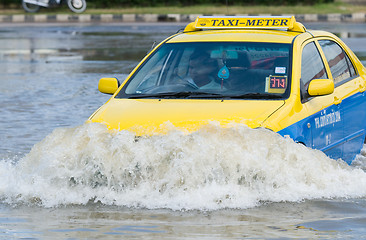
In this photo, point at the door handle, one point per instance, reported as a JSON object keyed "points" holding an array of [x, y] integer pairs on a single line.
{"points": [[362, 87], [337, 100]]}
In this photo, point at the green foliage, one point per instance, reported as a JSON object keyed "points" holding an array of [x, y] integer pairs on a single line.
{"points": [[152, 3], [131, 3], [8, 2]]}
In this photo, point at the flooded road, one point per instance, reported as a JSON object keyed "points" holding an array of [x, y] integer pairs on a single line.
{"points": [[43, 67], [61, 179]]}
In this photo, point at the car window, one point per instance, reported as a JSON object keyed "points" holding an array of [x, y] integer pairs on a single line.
{"points": [[339, 63], [312, 67], [227, 69], [351, 67]]}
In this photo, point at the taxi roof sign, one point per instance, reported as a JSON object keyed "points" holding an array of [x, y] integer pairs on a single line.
{"points": [[251, 22]]}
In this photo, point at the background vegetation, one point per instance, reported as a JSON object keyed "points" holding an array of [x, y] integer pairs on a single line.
{"points": [[155, 3], [207, 7]]}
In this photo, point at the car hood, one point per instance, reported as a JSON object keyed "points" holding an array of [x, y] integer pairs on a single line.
{"points": [[150, 116]]}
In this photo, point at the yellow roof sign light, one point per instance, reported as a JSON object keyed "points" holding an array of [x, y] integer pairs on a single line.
{"points": [[252, 22]]}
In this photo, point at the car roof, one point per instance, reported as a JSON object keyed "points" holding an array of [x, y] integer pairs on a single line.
{"points": [[274, 36], [209, 29]]}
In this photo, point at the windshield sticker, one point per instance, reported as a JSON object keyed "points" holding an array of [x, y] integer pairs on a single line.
{"points": [[280, 70], [276, 84]]}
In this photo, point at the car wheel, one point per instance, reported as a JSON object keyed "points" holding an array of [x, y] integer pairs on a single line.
{"points": [[77, 6], [31, 8]]}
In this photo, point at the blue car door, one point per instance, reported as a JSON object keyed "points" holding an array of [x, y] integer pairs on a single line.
{"points": [[325, 112], [349, 84]]}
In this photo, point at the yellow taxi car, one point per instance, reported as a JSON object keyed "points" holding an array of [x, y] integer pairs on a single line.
{"points": [[268, 72]]}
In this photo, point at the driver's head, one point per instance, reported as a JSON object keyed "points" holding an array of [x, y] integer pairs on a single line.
{"points": [[202, 68]]}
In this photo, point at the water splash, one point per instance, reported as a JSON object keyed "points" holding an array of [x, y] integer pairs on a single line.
{"points": [[360, 160], [212, 168]]}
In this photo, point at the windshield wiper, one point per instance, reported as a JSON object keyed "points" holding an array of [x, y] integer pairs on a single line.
{"points": [[186, 94], [192, 94], [255, 96]]}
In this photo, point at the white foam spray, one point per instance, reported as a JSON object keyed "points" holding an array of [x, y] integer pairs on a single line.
{"points": [[360, 160], [212, 168]]}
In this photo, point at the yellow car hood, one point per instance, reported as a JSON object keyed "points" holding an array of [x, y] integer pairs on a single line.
{"points": [[150, 116]]}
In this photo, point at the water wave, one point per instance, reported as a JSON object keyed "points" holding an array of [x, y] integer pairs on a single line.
{"points": [[212, 168]]}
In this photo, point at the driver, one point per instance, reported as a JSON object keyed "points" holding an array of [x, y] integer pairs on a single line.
{"points": [[202, 71]]}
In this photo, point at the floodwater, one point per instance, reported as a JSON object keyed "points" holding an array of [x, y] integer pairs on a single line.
{"points": [[62, 179]]}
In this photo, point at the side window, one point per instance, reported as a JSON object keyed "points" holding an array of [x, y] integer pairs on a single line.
{"points": [[312, 67], [339, 63], [351, 67]]}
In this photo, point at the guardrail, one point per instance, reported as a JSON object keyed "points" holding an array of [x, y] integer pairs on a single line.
{"points": [[102, 18]]}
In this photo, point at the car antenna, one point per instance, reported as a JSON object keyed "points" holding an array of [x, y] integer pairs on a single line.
{"points": [[152, 47]]}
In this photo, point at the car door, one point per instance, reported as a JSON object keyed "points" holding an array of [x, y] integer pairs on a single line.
{"points": [[347, 85], [324, 112]]}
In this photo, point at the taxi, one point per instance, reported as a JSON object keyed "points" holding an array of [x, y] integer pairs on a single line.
{"points": [[265, 72]]}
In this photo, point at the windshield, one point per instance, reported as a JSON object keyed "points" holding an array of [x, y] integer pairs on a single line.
{"points": [[213, 70]]}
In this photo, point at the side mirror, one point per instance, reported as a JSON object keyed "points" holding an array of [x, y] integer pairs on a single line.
{"points": [[108, 85], [320, 87]]}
